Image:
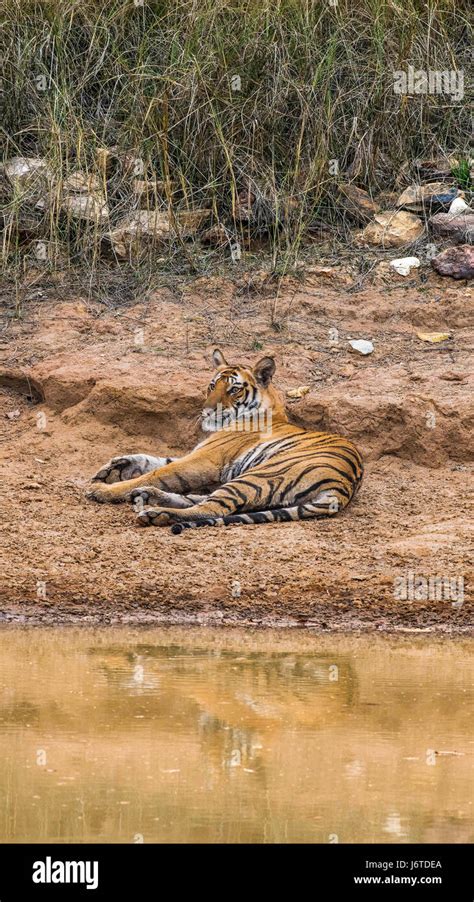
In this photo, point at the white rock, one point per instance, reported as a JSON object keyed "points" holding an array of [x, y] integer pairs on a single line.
{"points": [[459, 205], [30, 177], [90, 207], [361, 345], [20, 170], [404, 264]]}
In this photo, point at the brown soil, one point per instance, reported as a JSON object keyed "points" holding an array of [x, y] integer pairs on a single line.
{"points": [[408, 406]]}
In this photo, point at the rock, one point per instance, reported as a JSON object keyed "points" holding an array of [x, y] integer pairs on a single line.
{"points": [[81, 183], [359, 204], [459, 227], [104, 155], [107, 160], [457, 262], [132, 165], [147, 227], [440, 168], [418, 198], [361, 345], [300, 392], [28, 176], [25, 193], [404, 264], [86, 207], [459, 205], [143, 228], [82, 198], [392, 229]]}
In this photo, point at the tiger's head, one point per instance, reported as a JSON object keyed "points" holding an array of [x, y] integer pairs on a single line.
{"points": [[241, 397]]}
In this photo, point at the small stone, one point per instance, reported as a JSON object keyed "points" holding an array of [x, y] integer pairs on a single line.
{"points": [[148, 190], [361, 345], [404, 264], [459, 205], [26, 173], [299, 392]]}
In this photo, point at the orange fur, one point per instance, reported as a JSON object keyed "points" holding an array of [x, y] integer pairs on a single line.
{"points": [[266, 468]]}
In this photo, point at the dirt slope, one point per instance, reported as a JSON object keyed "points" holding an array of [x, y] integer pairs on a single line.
{"points": [[89, 382]]}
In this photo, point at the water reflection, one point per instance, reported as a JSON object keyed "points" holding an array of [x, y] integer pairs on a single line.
{"points": [[123, 734]]}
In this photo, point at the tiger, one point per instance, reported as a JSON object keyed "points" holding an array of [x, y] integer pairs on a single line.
{"points": [[254, 466]]}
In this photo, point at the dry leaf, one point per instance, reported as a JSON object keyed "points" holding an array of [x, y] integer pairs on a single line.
{"points": [[299, 392], [434, 337]]}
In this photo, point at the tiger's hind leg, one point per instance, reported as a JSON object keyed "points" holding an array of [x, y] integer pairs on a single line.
{"points": [[325, 504], [129, 466], [148, 494], [227, 499]]}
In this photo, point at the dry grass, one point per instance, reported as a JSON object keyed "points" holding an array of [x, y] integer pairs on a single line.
{"points": [[156, 79]]}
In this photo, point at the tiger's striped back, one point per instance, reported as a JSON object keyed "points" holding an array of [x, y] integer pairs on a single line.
{"points": [[296, 473]]}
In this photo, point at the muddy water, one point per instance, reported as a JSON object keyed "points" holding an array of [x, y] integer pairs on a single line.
{"points": [[150, 735]]}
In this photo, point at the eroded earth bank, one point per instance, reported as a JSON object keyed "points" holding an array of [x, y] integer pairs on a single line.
{"points": [[82, 381]]}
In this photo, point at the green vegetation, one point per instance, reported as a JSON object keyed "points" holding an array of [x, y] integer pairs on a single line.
{"points": [[462, 174]]}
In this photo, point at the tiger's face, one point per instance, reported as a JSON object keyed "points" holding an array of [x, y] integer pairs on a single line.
{"points": [[237, 394]]}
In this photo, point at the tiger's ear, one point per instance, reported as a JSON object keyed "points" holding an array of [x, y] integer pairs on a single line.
{"points": [[263, 371], [218, 358]]}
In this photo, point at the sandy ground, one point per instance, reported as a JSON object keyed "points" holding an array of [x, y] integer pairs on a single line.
{"points": [[85, 382]]}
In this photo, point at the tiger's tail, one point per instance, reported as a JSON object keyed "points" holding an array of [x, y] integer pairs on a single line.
{"points": [[310, 510]]}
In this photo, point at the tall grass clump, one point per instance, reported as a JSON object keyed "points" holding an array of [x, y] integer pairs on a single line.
{"points": [[213, 101]]}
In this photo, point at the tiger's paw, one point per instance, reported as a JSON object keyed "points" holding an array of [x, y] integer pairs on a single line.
{"points": [[153, 517], [146, 495], [105, 494], [119, 469]]}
